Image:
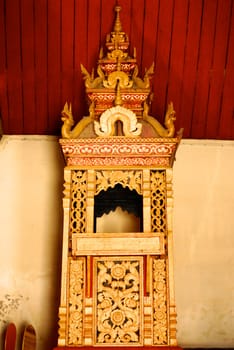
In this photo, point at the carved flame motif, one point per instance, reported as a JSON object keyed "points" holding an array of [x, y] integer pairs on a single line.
{"points": [[118, 301], [129, 178], [106, 126]]}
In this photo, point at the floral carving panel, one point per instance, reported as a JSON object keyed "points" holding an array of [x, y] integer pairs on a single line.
{"points": [[160, 326], [128, 178], [120, 151], [76, 301], [118, 300]]}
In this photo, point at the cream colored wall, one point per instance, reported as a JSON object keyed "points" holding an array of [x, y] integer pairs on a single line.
{"points": [[31, 183], [204, 243], [31, 179]]}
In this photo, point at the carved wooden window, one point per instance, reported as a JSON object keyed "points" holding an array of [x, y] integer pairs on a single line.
{"points": [[119, 197]]}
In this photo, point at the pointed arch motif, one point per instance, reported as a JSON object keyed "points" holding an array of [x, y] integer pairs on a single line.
{"points": [[106, 126]]}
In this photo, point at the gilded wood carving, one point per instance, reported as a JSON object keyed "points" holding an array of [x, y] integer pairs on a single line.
{"points": [[158, 201], [76, 301], [118, 300], [117, 287], [127, 178], [160, 309], [78, 201]]}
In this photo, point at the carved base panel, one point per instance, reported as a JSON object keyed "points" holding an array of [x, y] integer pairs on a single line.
{"points": [[122, 348], [118, 300], [125, 304]]}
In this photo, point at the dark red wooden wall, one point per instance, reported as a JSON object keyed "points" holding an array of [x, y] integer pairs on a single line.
{"points": [[43, 42]]}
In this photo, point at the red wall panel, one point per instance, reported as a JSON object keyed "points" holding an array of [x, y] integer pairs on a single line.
{"points": [[217, 68], [27, 14], [189, 78], [43, 43], [177, 53], [162, 58], [54, 62], [226, 113], [205, 58], [40, 66], [80, 56], [67, 49], [13, 68]]}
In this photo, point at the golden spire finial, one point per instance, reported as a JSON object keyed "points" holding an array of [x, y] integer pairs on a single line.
{"points": [[118, 25]]}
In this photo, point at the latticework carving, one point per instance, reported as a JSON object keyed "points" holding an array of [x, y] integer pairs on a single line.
{"points": [[78, 201], [118, 304], [127, 178], [160, 327], [76, 301], [158, 201]]}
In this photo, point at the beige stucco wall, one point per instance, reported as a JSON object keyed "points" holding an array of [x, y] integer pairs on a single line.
{"points": [[31, 183], [204, 243], [31, 187]]}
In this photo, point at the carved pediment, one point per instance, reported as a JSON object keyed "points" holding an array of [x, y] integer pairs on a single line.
{"points": [[109, 118]]}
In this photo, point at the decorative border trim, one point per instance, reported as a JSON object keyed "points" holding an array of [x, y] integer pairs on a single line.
{"points": [[161, 162], [119, 151]]}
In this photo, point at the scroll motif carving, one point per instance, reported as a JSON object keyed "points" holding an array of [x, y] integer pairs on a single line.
{"points": [[169, 129], [68, 122], [145, 83], [118, 301], [76, 298], [118, 147], [106, 126], [118, 151], [78, 201], [109, 178], [120, 161], [158, 200], [115, 77], [159, 302]]}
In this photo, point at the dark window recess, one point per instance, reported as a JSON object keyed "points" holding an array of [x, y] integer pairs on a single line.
{"points": [[128, 200]]}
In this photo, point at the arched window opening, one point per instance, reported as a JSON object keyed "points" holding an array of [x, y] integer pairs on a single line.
{"points": [[118, 209]]}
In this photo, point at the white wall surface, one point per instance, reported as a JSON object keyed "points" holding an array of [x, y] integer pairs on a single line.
{"points": [[204, 243], [31, 184]]}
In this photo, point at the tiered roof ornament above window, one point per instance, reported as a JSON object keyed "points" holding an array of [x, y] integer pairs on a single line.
{"points": [[119, 100]]}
